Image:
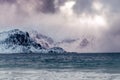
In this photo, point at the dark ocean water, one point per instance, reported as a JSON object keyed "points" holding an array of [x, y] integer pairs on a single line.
{"points": [[68, 66], [61, 61]]}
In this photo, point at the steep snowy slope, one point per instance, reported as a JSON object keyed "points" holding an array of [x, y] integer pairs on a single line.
{"points": [[16, 41]]}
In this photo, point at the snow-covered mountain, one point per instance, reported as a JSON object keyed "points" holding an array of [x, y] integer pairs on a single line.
{"points": [[17, 41], [81, 44], [44, 40], [77, 45]]}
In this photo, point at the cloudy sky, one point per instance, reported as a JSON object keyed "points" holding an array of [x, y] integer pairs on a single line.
{"points": [[62, 19]]}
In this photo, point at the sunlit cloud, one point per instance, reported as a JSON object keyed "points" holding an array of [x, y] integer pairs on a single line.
{"points": [[66, 9], [97, 5]]}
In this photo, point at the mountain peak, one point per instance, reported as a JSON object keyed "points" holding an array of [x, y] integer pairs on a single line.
{"points": [[17, 41]]}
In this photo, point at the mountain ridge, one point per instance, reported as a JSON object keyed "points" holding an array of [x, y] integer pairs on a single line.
{"points": [[17, 41]]}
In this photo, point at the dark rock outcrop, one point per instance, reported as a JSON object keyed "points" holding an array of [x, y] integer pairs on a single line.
{"points": [[17, 41]]}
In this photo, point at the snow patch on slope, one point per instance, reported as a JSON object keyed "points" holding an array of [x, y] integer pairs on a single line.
{"points": [[16, 41]]}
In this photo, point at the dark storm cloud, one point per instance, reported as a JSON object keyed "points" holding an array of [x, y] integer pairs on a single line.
{"points": [[82, 6], [7, 1], [113, 5], [45, 6], [61, 2]]}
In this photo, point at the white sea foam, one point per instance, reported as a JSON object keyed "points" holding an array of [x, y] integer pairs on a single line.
{"points": [[56, 75]]}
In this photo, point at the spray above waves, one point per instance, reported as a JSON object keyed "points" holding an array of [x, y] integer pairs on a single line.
{"points": [[57, 74]]}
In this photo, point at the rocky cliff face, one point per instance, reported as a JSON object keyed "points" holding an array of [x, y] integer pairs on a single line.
{"points": [[44, 40], [17, 41]]}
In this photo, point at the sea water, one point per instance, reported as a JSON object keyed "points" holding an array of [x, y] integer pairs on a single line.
{"points": [[68, 66]]}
